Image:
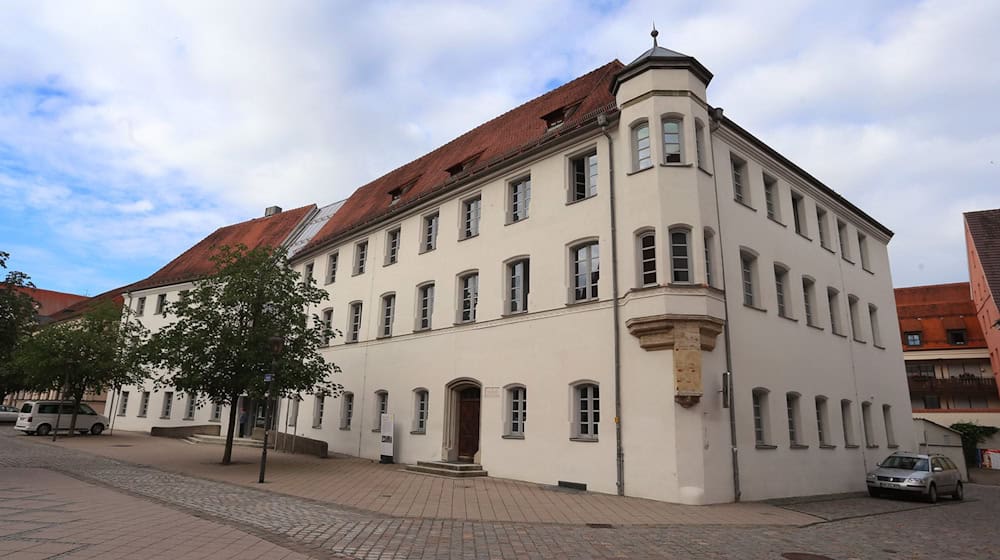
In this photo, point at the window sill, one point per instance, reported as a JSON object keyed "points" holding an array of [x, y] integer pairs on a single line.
{"points": [[328, 282], [851, 446], [214, 420], [188, 419], [351, 342], [383, 337], [421, 329], [677, 164], [122, 415], [755, 308], [817, 327], [579, 200], [880, 347], [389, 263], [777, 222], [866, 269], [871, 447], [861, 341], [418, 432], [376, 430], [468, 237], [745, 205], [835, 333], [140, 416], [357, 273], [766, 446], [787, 318], [164, 418], [798, 446], [510, 222], [583, 301], [638, 171], [804, 236], [512, 436], [513, 314], [317, 426], [584, 439], [460, 323], [893, 446], [847, 260], [424, 251], [827, 446], [343, 428], [832, 252]]}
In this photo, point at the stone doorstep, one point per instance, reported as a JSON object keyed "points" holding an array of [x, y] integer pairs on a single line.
{"points": [[219, 440], [451, 466], [450, 470]]}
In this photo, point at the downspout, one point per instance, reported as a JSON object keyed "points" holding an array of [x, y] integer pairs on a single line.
{"points": [[716, 118], [602, 120]]}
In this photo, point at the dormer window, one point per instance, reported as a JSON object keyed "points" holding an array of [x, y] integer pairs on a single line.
{"points": [[556, 118], [463, 166], [395, 195]]}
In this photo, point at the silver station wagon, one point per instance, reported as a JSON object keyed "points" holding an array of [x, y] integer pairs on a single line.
{"points": [[927, 476]]}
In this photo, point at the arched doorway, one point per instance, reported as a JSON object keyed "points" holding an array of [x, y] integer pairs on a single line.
{"points": [[462, 420]]}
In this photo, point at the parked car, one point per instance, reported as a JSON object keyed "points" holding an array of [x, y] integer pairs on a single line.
{"points": [[8, 413], [39, 417], [928, 476]]}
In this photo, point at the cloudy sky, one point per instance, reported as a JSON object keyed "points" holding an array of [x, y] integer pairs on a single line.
{"points": [[130, 130]]}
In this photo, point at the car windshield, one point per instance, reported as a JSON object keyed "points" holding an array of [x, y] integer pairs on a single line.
{"points": [[905, 463]]}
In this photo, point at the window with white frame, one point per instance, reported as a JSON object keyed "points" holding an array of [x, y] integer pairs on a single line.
{"points": [[586, 267], [771, 198], [123, 404], [161, 304], [642, 155], [346, 410], [863, 251], [354, 327], [699, 142], [381, 407], [852, 309], [360, 257], [809, 300], [388, 313], [216, 413], [140, 306], [647, 258], [672, 144], [471, 212], [748, 274], [847, 421], [430, 232], [794, 419], [709, 261], [873, 319], [890, 433], [798, 213], [741, 191], [833, 301], [518, 286], [821, 225], [318, 407], [331, 267], [425, 306], [144, 404], [519, 198], [517, 410], [822, 422], [866, 424], [845, 244], [307, 273], [392, 246], [468, 297], [587, 407], [680, 255], [420, 411], [328, 324], [761, 417], [192, 404], [583, 173], [781, 295], [168, 405], [293, 411]]}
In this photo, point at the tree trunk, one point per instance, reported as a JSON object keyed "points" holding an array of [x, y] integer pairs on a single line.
{"points": [[76, 408], [227, 455]]}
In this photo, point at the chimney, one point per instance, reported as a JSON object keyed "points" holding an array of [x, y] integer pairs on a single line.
{"points": [[272, 210]]}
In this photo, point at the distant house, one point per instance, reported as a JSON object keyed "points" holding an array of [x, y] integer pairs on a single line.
{"points": [[982, 242]]}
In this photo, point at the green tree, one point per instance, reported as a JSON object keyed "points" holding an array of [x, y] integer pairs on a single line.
{"points": [[972, 435], [217, 346], [100, 349], [18, 313]]}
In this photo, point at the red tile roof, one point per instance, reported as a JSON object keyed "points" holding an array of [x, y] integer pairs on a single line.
{"points": [[984, 227], [934, 310], [490, 143], [49, 301]]}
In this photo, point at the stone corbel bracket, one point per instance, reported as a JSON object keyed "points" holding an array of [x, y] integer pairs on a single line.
{"points": [[688, 336]]}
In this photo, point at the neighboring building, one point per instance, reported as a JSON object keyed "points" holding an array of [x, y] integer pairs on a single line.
{"points": [[557, 294], [948, 366], [982, 241]]}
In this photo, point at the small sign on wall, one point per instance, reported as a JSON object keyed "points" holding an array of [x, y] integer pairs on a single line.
{"points": [[385, 435]]}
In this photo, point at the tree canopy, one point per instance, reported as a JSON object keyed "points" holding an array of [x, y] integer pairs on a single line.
{"points": [[18, 313], [217, 347]]}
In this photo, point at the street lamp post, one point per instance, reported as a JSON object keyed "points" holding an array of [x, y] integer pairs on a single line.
{"points": [[276, 344]]}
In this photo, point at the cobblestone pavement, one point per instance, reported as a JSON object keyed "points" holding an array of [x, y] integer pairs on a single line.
{"points": [[964, 530]]}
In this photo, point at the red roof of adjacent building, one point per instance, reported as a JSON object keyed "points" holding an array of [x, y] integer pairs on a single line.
{"points": [[933, 311], [50, 301], [984, 227], [479, 149]]}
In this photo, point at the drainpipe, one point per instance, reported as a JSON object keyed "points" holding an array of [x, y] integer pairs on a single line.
{"points": [[602, 120], [716, 118]]}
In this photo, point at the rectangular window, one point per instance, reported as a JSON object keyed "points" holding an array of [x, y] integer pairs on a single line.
{"points": [[873, 319], [863, 251], [932, 401], [642, 155], [680, 262], [420, 412], [771, 198], [346, 411], [144, 404], [328, 323], [747, 265], [792, 407], [913, 338], [392, 246], [168, 404], [192, 403], [318, 407], [781, 290], [956, 337], [388, 311], [821, 421], [821, 225], [647, 258], [471, 210], [920, 369], [699, 142], [381, 407], [518, 286], [586, 272], [798, 209], [709, 239], [161, 304], [307, 275], [425, 300], [429, 242], [740, 192], [588, 411], [583, 171], [852, 310], [672, 141], [360, 257], [833, 300], [331, 268], [809, 300], [760, 417], [354, 329], [520, 198], [140, 306], [470, 297], [847, 421], [293, 411], [216, 412], [845, 247], [890, 433], [866, 423], [123, 404], [518, 410]]}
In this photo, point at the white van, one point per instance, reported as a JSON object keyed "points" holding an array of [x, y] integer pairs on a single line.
{"points": [[39, 417]]}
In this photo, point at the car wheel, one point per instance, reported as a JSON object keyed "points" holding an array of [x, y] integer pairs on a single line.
{"points": [[873, 492], [932, 494], [959, 493], [43, 430], [96, 429]]}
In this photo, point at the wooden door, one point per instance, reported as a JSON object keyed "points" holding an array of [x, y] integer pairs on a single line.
{"points": [[468, 424]]}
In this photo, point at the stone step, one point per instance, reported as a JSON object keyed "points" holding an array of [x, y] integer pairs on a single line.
{"points": [[450, 466], [221, 440], [446, 472]]}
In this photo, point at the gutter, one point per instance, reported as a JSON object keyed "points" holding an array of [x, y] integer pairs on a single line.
{"points": [[602, 120]]}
